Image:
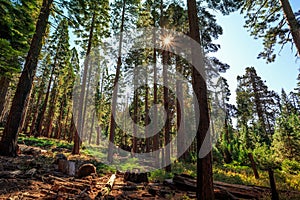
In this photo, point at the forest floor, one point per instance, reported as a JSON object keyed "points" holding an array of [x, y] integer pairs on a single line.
{"points": [[34, 175]]}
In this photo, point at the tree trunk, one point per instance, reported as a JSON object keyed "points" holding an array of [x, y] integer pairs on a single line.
{"points": [[292, 22], [148, 141], [273, 185], [155, 121], [135, 111], [41, 115], [253, 165], [85, 104], [115, 95], [167, 156], [98, 128], [180, 114], [66, 123], [49, 126], [27, 113], [79, 133], [60, 118], [92, 128], [8, 144], [36, 112], [4, 82], [204, 165]]}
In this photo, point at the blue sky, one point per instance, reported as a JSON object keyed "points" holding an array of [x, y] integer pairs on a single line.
{"points": [[240, 50]]}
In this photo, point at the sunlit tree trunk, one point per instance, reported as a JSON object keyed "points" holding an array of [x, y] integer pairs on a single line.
{"points": [[79, 132], [114, 97]]}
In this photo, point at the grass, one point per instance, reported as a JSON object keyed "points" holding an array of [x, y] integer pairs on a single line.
{"points": [[45, 143], [244, 175]]}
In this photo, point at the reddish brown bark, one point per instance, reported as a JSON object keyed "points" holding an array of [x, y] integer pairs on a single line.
{"points": [[8, 144]]}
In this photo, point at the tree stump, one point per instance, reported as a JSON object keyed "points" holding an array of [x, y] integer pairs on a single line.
{"points": [[86, 170], [136, 177]]}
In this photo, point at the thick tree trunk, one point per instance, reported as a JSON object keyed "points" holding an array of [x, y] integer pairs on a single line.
{"points": [[115, 95], [292, 22], [4, 84], [167, 156], [180, 113], [8, 144], [204, 165], [155, 121], [79, 133], [27, 113]]}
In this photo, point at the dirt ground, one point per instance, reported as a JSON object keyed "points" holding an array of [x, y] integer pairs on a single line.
{"points": [[33, 175]]}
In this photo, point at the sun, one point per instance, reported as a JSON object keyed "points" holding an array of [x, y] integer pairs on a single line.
{"points": [[167, 40]]}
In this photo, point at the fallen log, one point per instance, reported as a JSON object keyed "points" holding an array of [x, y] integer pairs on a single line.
{"points": [[108, 187], [224, 190]]}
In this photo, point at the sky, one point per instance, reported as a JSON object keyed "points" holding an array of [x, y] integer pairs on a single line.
{"points": [[240, 50]]}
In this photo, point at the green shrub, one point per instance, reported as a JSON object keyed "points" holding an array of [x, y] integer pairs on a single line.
{"points": [[290, 166]]}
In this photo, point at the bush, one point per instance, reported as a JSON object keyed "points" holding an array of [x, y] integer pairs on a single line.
{"points": [[290, 166]]}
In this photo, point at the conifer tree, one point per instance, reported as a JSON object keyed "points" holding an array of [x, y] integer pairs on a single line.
{"points": [[8, 144]]}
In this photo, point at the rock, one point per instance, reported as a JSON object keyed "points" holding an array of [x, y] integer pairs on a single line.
{"points": [[86, 170]]}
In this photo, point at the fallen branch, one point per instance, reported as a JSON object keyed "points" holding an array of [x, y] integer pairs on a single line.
{"points": [[108, 187]]}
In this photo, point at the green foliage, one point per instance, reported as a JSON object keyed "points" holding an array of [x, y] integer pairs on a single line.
{"points": [[159, 175], [231, 173], [90, 20], [286, 140], [17, 22], [256, 109], [264, 19], [291, 166], [43, 142], [264, 156]]}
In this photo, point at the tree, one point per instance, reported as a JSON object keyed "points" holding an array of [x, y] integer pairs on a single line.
{"points": [[8, 144], [91, 25], [204, 165], [256, 106], [59, 53], [17, 21], [119, 25], [287, 135], [268, 19]]}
